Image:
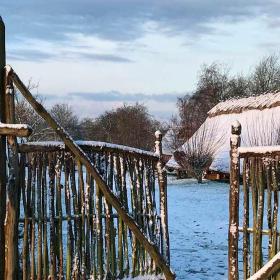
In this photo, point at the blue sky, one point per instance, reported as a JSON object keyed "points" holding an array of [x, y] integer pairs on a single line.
{"points": [[97, 54]]}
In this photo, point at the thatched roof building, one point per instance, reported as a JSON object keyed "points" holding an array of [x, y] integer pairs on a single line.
{"points": [[260, 120]]}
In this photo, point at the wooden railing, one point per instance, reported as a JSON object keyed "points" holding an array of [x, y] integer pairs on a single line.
{"points": [[260, 173], [97, 205], [83, 210], [75, 226]]}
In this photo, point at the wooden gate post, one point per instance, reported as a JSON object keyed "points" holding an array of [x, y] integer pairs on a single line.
{"points": [[2, 150], [234, 202], [13, 188], [162, 179]]}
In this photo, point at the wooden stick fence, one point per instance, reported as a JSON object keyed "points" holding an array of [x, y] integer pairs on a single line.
{"points": [[103, 240], [75, 223], [73, 211], [259, 210]]}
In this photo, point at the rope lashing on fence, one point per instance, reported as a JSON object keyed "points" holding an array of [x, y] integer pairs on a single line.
{"points": [[160, 261]]}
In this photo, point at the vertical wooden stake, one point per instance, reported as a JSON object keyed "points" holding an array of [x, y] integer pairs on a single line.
{"points": [[234, 202], [2, 150], [162, 180]]}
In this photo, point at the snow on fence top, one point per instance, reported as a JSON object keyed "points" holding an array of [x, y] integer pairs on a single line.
{"points": [[86, 145], [265, 101], [256, 151]]}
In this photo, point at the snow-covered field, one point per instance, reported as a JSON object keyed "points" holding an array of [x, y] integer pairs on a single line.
{"points": [[198, 222]]}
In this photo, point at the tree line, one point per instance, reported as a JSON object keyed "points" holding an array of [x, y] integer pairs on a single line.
{"points": [[133, 125], [129, 125]]}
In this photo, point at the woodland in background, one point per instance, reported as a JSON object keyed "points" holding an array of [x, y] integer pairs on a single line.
{"points": [[132, 125], [129, 125]]}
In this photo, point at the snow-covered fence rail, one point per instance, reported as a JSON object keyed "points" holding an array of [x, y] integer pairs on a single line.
{"points": [[259, 226]]}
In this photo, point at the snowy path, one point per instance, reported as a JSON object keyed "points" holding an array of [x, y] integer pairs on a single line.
{"points": [[198, 221]]}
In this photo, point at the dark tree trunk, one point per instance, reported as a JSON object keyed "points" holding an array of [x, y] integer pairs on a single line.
{"points": [[199, 178]]}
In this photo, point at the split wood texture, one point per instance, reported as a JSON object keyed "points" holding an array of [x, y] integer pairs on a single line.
{"points": [[85, 198]]}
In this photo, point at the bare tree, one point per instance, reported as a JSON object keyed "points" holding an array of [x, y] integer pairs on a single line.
{"points": [[213, 79], [65, 116], [129, 125], [212, 87], [237, 87], [172, 139], [25, 114], [266, 75], [198, 153]]}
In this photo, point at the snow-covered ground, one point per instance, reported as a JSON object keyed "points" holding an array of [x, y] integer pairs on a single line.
{"points": [[198, 223]]}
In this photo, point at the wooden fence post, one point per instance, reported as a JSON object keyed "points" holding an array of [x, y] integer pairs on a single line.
{"points": [[2, 150], [162, 179], [13, 188], [234, 202]]}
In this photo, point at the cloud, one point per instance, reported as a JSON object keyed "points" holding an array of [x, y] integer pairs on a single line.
{"points": [[41, 55], [120, 21], [105, 57], [125, 20], [115, 96], [29, 55]]}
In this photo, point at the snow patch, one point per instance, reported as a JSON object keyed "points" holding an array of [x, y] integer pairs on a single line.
{"points": [[96, 144], [146, 277]]}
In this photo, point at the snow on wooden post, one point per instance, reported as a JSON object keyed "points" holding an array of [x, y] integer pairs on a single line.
{"points": [[162, 179], [2, 151], [234, 202]]}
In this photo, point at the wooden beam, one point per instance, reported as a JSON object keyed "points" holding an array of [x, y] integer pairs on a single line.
{"points": [[13, 187], [2, 151], [107, 192], [18, 130]]}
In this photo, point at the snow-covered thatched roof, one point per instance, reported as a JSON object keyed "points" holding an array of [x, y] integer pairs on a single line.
{"points": [[260, 120], [261, 102]]}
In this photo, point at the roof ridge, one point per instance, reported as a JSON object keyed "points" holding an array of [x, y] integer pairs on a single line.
{"points": [[238, 105]]}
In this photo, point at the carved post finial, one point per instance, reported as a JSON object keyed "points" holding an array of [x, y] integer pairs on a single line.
{"points": [[236, 128], [158, 135], [158, 143]]}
